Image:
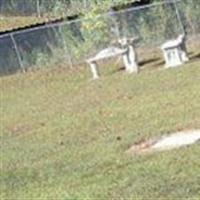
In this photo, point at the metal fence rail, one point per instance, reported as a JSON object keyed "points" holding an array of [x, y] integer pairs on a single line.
{"points": [[70, 43]]}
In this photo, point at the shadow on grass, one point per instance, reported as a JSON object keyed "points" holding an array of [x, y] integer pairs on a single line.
{"points": [[159, 64], [146, 63], [153, 63], [149, 61], [195, 56], [120, 69]]}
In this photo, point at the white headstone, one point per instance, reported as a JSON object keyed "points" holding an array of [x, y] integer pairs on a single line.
{"points": [[175, 52]]}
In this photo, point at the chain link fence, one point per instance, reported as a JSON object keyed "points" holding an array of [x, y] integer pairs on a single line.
{"points": [[41, 7], [70, 43], [50, 7]]}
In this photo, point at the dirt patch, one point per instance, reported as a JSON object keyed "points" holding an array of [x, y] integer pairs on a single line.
{"points": [[22, 128], [167, 142]]}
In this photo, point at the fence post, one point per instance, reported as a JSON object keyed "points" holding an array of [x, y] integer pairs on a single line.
{"points": [[66, 49], [17, 53], [178, 16], [38, 8], [85, 4]]}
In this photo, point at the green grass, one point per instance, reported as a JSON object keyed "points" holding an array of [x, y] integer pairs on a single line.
{"points": [[13, 22], [60, 134]]}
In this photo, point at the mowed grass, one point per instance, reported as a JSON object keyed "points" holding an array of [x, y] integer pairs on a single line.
{"points": [[13, 22], [64, 136]]}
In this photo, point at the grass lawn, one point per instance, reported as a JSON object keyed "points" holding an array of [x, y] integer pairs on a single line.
{"points": [[12, 22], [65, 137]]}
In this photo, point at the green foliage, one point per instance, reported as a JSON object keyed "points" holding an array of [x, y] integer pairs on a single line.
{"points": [[95, 29], [190, 12], [158, 24], [72, 42]]}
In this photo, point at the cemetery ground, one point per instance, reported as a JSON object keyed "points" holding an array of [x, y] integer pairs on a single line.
{"points": [[65, 137]]}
